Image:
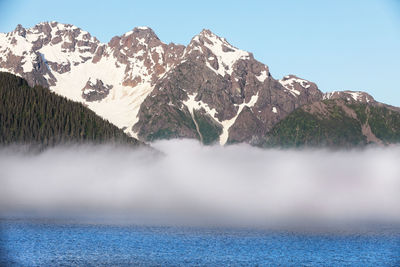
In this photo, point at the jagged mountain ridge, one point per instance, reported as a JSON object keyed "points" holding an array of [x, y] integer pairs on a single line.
{"points": [[209, 90]]}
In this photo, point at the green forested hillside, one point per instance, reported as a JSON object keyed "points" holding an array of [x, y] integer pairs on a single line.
{"points": [[337, 123], [38, 116], [384, 122]]}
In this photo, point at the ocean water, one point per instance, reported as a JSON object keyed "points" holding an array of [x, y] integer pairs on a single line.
{"points": [[44, 243]]}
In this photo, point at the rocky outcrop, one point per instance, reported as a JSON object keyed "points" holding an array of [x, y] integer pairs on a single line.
{"points": [[95, 90]]}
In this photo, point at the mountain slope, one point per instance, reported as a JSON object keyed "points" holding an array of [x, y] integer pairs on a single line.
{"points": [[37, 116], [339, 121]]}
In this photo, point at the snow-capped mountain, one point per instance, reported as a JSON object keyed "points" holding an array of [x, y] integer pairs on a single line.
{"points": [[111, 79], [209, 90]]}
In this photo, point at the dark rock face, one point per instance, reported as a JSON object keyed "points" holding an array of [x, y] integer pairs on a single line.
{"points": [[243, 91], [20, 30], [95, 91], [247, 128], [166, 122]]}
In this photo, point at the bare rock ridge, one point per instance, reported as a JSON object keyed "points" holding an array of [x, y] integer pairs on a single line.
{"points": [[208, 90]]}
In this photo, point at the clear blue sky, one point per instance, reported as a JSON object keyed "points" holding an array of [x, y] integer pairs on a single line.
{"points": [[339, 44]]}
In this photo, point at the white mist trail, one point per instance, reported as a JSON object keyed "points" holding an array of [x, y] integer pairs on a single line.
{"points": [[206, 184]]}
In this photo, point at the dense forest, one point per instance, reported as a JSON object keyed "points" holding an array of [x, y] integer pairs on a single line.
{"points": [[39, 117]]}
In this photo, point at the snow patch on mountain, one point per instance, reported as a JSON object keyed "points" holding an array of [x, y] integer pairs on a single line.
{"points": [[120, 107], [289, 82], [263, 75], [356, 95], [328, 95], [192, 104], [19, 45]]}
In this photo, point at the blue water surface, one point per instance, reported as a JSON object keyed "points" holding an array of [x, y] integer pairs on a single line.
{"points": [[41, 243]]}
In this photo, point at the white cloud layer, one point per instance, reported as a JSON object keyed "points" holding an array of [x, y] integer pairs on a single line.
{"points": [[197, 184]]}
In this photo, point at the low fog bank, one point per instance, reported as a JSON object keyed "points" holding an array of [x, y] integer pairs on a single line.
{"points": [[190, 183]]}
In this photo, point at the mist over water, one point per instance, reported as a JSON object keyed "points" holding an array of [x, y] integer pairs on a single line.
{"points": [[193, 184]]}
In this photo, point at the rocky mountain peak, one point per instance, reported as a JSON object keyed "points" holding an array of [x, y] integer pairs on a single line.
{"points": [[219, 55], [143, 34], [54, 29], [211, 36], [206, 32], [21, 31], [53, 33], [142, 38], [353, 96], [44, 50], [144, 56], [209, 39]]}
